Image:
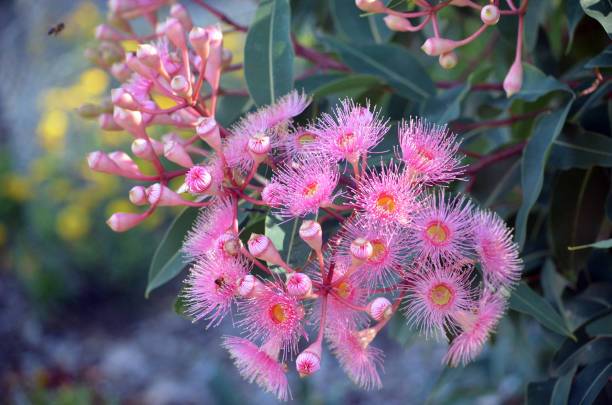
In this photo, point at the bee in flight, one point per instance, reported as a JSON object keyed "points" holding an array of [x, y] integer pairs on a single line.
{"points": [[56, 29]]}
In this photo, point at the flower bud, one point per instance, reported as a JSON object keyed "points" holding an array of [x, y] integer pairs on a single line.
{"points": [[121, 97], [89, 111], [489, 14], [397, 23], [438, 46], [249, 287], [106, 106], [129, 120], [100, 162], [230, 244], [448, 60], [312, 234], [148, 55], [514, 79], [176, 33], [121, 71], [262, 248], [94, 56], [107, 123], [122, 221], [179, 12], [271, 194], [208, 130], [198, 179], [309, 361], [125, 163], [142, 149], [259, 147], [371, 6], [299, 284], [180, 86], [104, 32], [361, 249], [163, 196], [380, 309], [138, 195], [119, 23], [137, 66], [175, 152], [200, 42], [112, 52]]}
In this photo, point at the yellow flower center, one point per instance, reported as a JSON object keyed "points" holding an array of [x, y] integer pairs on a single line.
{"points": [[343, 289], [310, 189], [440, 295], [386, 202], [379, 250], [437, 233], [278, 314]]}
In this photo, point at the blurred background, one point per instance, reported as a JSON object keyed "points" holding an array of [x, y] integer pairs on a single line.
{"points": [[75, 327]]}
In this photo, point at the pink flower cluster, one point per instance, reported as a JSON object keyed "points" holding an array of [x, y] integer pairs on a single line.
{"points": [[400, 245]]}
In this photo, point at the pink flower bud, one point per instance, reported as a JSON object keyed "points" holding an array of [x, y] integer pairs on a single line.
{"points": [[448, 60], [121, 71], [198, 179], [100, 162], [514, 79], [107, 123], [259, 148], [138, 195], [438, 46], [125, 163], [122, 221], [208, 130], [112, 52], [309, 361], [122, 98], [179, 12], [142, 149], [361, 249], [312, 234], [230, 244], [104, 32], [489, 14], [215, 55], [299, 284], [180, 86], [200, 42], [380, 309], [137, 66], [176, 33], [271, 194], [397, 23], [148, 55], [89, 111], [262, 248], [163, 196], [129, 120], [371, 6], [250, 287], [175, 152]]}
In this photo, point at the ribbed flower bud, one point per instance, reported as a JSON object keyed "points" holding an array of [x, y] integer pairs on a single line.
{"points": [[198, 179], [208, 130], [100, 162], [104, 32], [262, 248], [179, 12], [448, 60], [107, 123], [438, 46], [259, 147], [175, 152], [137, 66], [176, 33], [122, 221], [397, 23], [489, 14], [181, 86], [138, 195], [200, 42], [309, 361], [514, 79], [125, 163], [361, 249], [163, 196], [121, 71], [271, 194], [129, 120], [299, 284], [121, 97], [249, 287], [148, 55], [142, 149], [312, 234], [380, 309], [371, 6]]}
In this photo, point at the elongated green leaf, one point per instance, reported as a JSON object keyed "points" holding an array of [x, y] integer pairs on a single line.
{"points": [[553, 284], [230, 108], [539, 393], [574, 14], [583, 150], [602, 244], [546, 130], [311, 83], [590, 381], [604, 59], [268, 52], [168, 261], [572, 354], [351, 26], [561, 390], [445, 106], [524, 299], [600, 327], [392, 63], [601, 10]]}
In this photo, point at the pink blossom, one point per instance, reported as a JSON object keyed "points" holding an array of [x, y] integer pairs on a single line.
{"points": [[259, 365], [287, 107], [212, 285], [212, 222], [499, 255], [430, 151]]}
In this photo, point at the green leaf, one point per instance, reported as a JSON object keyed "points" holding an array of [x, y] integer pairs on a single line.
{"points": [[268, 52], [392, 63], [539, 393], [553, 284], [561, 390], [582, 150], [602, 60], [590, 381], [600, 327], [535, 155], [353, 27], [283, 233], [592, 100], [525, 300], [230, 108], [445, 106], [602, 244], [572, 354], [311, 83], [343, 84], [168, 261], [574, 14], [601, 10]]}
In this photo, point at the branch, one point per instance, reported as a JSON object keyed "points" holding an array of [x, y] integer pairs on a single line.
{"points": [[496, 157]]}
